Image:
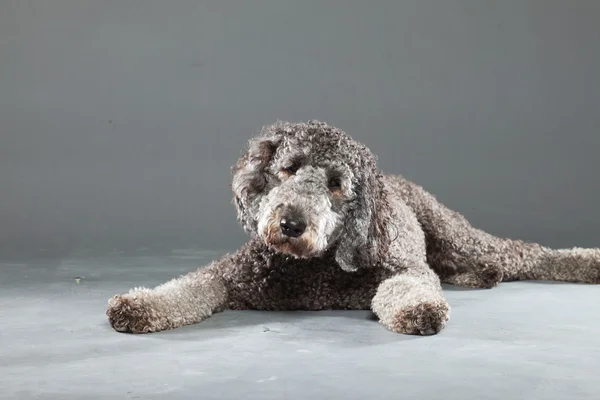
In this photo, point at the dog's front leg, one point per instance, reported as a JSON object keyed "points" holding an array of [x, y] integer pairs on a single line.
{"points": [[182, 301], [188, 299], [412, 301]]}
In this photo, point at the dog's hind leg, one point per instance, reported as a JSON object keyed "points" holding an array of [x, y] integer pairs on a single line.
{"points": [[467, 256]]}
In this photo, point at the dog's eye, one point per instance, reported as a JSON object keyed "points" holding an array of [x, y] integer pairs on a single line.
{"points": [[290, 169], [334, 183]]}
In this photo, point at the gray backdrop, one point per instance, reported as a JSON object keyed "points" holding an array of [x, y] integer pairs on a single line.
{"points": [[120, 119]]}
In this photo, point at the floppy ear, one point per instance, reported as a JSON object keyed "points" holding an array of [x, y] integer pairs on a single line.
{"points": [[366, 238], [250, 179]]}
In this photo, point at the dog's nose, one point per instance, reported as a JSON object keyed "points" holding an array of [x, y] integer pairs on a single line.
{"points": [[292, 227]]}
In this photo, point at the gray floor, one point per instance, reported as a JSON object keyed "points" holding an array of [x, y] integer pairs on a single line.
{"points": [[519, 341]]}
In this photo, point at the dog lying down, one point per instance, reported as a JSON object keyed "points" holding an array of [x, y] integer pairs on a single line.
{"points": [[329, 230]]}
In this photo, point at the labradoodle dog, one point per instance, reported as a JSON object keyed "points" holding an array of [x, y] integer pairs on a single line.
{"points": [[330, 231]]}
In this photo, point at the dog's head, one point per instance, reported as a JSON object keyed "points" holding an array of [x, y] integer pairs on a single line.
{"points": [[307, 188]]}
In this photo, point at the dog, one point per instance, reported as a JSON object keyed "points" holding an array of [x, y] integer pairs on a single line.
{"points": [[329, 230]]}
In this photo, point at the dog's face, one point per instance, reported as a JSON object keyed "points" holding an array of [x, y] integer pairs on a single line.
{"points": [[307, 201], [306, 188]]}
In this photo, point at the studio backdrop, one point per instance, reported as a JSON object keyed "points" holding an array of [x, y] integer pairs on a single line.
{"points": [[120, 120]]}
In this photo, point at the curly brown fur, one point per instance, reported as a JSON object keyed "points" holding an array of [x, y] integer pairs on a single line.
{"points": [[328, 230]]}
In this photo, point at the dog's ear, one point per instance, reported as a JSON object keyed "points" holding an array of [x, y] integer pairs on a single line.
{"points": [[249, 179], [366, 238]]}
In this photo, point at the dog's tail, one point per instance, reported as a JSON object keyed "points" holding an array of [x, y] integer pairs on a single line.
{"points": [[467, 256]]}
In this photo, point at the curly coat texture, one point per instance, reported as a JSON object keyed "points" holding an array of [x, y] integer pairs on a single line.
{"points": [[360, 239]]}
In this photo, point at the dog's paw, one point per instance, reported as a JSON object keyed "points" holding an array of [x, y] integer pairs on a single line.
{"points": [[489, 276], [576, 265], [127, 313], [485, 277], [426, 318]]}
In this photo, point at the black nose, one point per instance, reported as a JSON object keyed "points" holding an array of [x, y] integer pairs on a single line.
{"points": [[292, 227]]}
